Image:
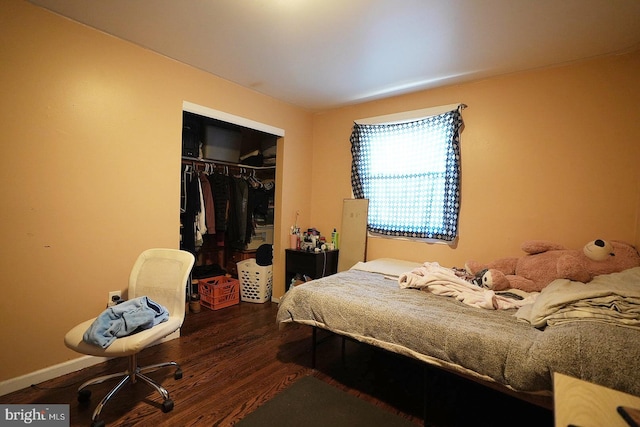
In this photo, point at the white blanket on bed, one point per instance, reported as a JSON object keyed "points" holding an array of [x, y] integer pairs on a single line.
{"points": [[610, 298], [443, 281]]}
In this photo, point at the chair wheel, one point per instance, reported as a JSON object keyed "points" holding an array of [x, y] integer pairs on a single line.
{"points": [[98, 423], [167, 405], [178, 374], [84, 396]]}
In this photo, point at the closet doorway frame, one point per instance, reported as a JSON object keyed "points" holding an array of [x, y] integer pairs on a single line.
{"points": [[230, 118], [201, 110]]}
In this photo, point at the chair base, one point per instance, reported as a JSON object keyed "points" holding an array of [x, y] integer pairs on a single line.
{"points": [[134, 373]]}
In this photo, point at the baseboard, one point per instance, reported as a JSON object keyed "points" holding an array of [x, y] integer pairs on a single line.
{"points": [[36, 377], [23, 381]]}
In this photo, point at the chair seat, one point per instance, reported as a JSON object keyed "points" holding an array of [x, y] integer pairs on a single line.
{"points": [[120, 346]]}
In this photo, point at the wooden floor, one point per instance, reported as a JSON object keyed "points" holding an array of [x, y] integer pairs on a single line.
{"points": [[236, 359]]}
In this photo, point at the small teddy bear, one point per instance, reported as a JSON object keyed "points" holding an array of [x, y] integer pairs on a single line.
{"points": [[546, 261]]}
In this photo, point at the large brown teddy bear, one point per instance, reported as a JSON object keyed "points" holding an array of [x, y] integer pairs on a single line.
{"points": [[547, 261]]}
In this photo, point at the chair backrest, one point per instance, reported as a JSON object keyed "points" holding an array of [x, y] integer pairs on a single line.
{"points": [[162, 275]]}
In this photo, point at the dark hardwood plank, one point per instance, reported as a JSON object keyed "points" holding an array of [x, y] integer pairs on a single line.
{"points": [[236, 359]]}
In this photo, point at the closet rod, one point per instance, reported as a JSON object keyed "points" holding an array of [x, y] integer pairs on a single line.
{"points": [[190, 160]]}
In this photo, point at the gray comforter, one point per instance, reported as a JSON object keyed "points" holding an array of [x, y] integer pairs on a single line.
{"points": [[492, 345]]}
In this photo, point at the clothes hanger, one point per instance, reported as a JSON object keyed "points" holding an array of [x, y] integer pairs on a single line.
{"points": [[254, 181]]}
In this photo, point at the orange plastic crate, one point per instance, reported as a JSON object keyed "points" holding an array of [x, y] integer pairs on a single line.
{"points": [[219, 292]]}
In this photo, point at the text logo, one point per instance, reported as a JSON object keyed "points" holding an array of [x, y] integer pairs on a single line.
{"points": [[34, 415]]}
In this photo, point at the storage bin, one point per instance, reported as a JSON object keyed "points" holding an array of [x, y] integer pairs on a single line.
{"points": [[256, 281], [218, 292]]}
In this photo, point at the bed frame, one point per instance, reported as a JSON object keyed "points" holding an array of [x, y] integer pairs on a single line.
{"points": [[542, 401], [490, 347]]}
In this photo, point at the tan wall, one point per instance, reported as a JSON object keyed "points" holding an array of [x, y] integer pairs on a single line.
{"points": [[90, 161], [550, 154]]}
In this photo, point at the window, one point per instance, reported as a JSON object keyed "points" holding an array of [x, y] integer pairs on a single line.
{"points": [[410, 172]]}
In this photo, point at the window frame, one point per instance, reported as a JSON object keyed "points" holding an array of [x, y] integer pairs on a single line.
{"points": [[412, 116]]}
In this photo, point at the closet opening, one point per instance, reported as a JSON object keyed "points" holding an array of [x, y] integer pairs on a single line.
{"points": [[227, 188]]}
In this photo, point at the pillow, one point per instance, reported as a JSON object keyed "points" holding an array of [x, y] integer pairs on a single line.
{"points": [[386, 266]]}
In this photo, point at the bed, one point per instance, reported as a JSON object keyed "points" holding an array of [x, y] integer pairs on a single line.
{"points": [[515, 350]]}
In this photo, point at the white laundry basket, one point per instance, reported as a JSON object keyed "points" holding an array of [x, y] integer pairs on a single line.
{"points": [[256, 281]]}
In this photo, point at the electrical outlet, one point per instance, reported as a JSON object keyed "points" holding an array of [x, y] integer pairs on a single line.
{"points": [[113, 297]]}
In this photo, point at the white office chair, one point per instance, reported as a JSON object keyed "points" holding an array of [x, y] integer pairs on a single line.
{"points": [[162, 275]]}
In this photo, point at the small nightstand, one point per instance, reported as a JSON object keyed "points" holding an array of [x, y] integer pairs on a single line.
{"points": [[312, 264], [580, 403]]}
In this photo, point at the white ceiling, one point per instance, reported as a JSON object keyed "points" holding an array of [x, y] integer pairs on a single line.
{"points": [[321, 54]]}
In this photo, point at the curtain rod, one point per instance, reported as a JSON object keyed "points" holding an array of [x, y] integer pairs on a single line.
{"points": [[407, 116]]}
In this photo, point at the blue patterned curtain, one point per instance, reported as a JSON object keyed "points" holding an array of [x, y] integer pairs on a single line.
{"points": [[410, 172]]}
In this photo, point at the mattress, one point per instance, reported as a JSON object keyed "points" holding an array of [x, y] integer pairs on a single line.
{"points": [[366, 303]]}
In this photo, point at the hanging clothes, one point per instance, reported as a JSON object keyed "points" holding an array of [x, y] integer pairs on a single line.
{"points": [[217, 203], [237, 224], [200, 226], [250, 221], [221, 194], [191, 209], [185, 177], [207, 195]]}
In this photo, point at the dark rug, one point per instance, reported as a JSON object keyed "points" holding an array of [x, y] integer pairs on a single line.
{"points": [[311, 402]]}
